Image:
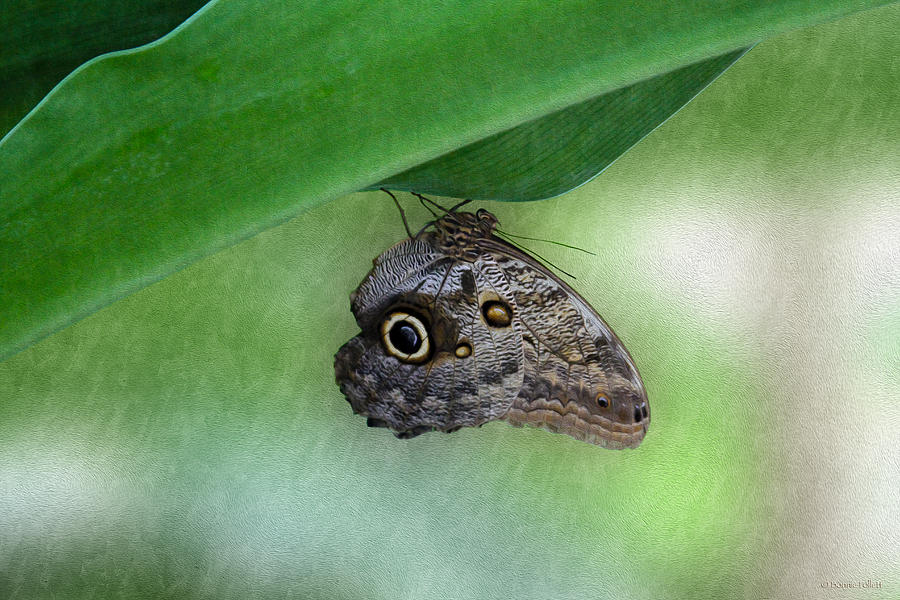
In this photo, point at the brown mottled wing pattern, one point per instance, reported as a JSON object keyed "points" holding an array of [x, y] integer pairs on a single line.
{"points": [[460, 328], [445, 392], [579, 378]]}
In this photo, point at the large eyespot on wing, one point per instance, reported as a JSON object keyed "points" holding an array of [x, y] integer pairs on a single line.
{"points": [[405, 336], [425, 359]]}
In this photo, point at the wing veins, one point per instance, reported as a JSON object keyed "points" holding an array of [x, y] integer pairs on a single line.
{"points": [[437, 295]]}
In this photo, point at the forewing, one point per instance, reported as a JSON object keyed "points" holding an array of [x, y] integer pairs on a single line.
{"points": [[579, 378]]}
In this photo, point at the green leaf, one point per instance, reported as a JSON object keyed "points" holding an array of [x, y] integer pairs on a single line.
{"points": [[42, 42], [560, 151], [144, 161]]}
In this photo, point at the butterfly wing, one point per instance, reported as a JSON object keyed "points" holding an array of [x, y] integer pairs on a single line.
{"points": [[468, 374], [579, 379], [460, 328]]}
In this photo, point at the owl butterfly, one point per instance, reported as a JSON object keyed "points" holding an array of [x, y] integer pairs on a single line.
{"points": [[460, 327]]}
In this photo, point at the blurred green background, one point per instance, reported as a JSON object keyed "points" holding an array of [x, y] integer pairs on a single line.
{"points": [[189, 440]]}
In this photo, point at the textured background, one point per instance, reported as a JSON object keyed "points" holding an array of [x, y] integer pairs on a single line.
{"points": [[190, 441]]}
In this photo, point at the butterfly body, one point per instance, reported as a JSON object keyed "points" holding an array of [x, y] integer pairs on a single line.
{"points": [[460, 328]]}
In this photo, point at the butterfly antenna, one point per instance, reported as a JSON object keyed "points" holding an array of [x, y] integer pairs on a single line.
{"points": [[538, 256], [400, 208], [525, 237]]}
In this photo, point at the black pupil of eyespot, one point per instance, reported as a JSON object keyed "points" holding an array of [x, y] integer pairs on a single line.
{"points": [[405, 338]]}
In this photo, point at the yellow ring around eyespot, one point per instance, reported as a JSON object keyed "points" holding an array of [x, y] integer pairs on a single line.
{"points": [[395, 317]]}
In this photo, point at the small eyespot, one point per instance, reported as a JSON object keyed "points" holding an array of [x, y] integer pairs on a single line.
{"points": [[463, 350], [405, 337], [602, 401], [497, 314]]}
